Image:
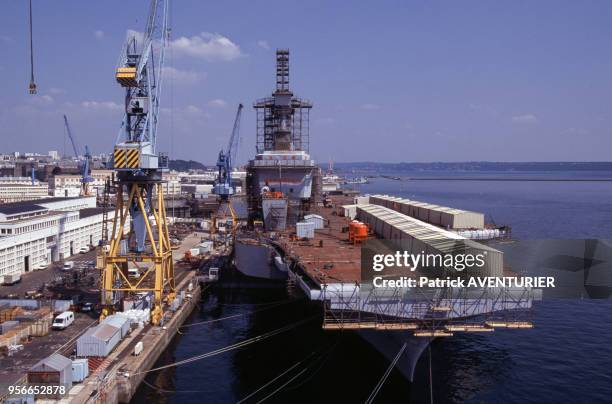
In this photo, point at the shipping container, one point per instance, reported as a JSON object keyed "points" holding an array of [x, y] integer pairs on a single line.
{"points": [[427, 238], [40, 327], [446, 217], [60, 306], [305, 230], [80, 369], [55, 370], [23, 303], [317, 220], [98, 341], [7, 325], [123, 323]]}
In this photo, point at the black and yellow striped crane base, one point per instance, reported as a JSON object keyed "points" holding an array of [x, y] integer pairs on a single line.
{"points": [[126, 158]]}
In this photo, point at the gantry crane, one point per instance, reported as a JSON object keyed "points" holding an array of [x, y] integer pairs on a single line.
{"points": [[224, 187], [84, 165], [138, 172]]}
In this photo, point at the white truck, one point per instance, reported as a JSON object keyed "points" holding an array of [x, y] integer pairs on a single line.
{"points": [[68, 265], [62, 321], [11, 279]]}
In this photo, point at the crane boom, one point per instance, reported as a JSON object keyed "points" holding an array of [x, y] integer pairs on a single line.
{"points": [[140, 72], [72, 140], [225, 161]]}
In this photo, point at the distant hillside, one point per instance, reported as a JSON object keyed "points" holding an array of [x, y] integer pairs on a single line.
{"points": [[184, 165]]}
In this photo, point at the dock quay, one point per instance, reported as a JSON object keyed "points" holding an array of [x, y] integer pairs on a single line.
{"points": [[115, 377], [118, 377]]}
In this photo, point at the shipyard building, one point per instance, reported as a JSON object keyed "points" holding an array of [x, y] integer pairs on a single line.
{"points": [[36, 233]]}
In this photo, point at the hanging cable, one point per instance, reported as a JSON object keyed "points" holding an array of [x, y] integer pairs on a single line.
{"points": [[261, 304], [234, 315], [276, 378], [229, 347], [281, 387], [384, 377], [32, 83], [162, 390]]}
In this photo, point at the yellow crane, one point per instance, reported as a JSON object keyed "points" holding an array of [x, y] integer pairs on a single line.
{"points": [[138, 256]]}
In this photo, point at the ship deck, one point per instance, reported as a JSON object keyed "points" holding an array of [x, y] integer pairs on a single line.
{"points": [[329, 257]]}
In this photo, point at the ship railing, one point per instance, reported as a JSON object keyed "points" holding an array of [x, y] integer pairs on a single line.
{"points": [[464, 309]]}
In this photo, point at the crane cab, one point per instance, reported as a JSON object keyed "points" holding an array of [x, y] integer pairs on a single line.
{"points": [[126, 76]]}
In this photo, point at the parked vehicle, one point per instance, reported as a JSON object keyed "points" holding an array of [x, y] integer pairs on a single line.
{"points": [[68, 265], [83, 250], [63, 321], [11, 279]]}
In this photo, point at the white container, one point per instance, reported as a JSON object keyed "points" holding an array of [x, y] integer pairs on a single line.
{"points": [[318, 221], [118, 321], [98, 341], [138, 348], [305, 230], [80, 370]]}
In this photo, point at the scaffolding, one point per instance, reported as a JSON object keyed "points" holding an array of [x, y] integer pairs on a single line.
{"points": [[426, 312], [282, 119]]}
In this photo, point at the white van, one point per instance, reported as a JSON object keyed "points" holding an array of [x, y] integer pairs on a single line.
{"points": [[68, 265], [133, 273], [62, 321]]}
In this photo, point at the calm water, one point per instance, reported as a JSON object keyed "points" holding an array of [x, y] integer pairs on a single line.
{"points": [[566, 358]]}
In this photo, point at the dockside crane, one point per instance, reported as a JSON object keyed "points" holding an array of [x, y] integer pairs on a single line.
{"points": [[83, 165], [139, 238], [225, 164]]}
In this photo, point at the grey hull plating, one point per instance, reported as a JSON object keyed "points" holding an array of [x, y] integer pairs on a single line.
{"points": [[256, 260], [388, 343]]}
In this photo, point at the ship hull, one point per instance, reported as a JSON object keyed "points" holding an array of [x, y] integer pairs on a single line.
{"points": [[256, 260], [388, 343]]}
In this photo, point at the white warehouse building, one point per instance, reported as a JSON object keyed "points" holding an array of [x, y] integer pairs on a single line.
{"points": [[35, 233]]}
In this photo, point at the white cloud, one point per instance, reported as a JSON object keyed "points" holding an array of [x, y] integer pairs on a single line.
{"points": [[207, 46], [102, 105], [131, 33], [218, 103], [56, 91], [370, 107], [263, 44], [43, 99], [484, 109], [181, 76], [192, 109], [99, 34], [526, 118]]}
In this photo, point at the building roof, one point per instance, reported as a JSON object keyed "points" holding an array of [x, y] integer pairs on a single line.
{"points": [[55, 362], [87, 212], [20, 207]]}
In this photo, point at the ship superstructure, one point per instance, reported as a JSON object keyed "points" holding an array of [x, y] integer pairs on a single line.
{"points": [[280, 178]]}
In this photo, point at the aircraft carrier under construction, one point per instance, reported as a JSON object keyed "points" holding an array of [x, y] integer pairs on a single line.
{"points": [[314, 241]]}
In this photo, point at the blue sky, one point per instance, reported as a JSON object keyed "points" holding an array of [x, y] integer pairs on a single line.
{"points": [[390, 80]]}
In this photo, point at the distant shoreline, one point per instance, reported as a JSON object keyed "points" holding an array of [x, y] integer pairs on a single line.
{"points": [[504, 179]]}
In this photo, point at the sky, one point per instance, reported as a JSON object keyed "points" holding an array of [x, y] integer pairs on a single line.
{"points": [[391, 81]]}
